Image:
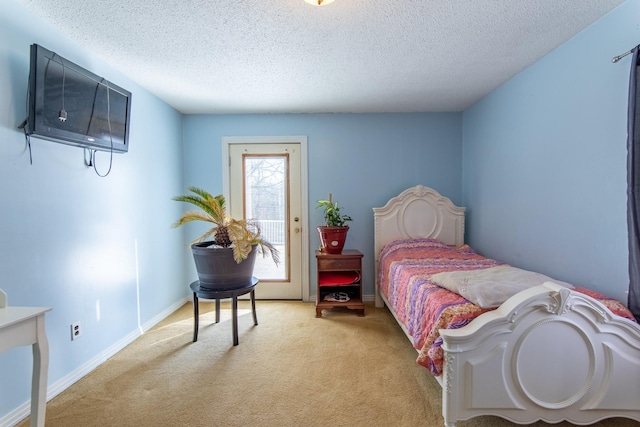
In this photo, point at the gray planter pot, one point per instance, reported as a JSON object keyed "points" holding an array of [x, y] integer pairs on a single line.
{"points": [[218, 270]]}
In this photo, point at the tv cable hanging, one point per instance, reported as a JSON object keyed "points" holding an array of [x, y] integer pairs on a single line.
{"points": [[92, 153], [62, 115]]}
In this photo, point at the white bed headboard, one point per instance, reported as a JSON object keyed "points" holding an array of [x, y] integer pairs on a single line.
{"points": [[417, 212]]}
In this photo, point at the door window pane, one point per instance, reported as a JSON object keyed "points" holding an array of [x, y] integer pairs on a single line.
{"points": [[265, 201]]}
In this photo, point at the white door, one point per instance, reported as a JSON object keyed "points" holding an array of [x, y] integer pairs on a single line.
{"points": [[265, 185]]}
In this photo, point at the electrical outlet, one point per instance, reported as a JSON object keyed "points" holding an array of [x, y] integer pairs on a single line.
{"points": [[76, 331]]}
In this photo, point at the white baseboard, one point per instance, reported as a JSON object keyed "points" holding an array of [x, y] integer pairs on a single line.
{"points": [[23, 411]]}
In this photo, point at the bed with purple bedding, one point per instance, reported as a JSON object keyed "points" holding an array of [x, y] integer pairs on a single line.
{"points": [[546, 350], [423, 307]]}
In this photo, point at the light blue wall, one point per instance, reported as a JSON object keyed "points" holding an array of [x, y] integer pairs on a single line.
{"points": [[362, 159], [544, 161], [86, 246]]}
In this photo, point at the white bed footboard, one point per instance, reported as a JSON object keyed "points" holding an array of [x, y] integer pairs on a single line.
{"points": [[548, 354]]}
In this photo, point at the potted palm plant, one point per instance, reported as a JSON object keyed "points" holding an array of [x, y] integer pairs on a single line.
{"points": [[333, 233], [225, 254]]}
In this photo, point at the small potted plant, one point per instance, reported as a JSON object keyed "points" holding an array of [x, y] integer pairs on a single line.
{"points": [[334, 233], [225, 254]]}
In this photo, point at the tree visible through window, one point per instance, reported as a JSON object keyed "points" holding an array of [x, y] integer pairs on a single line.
{"points": [[265, 178]]}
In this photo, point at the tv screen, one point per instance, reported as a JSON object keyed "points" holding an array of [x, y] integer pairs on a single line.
{"points": [[71, 105]]}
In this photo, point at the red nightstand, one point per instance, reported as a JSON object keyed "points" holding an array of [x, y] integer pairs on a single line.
{"points": [[341, 274]]}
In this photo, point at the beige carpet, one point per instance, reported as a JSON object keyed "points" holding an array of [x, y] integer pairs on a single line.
{"points": [[291, 370]]}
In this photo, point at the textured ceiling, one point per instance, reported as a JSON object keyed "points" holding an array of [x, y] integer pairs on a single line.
{"points": [[286, 56]]}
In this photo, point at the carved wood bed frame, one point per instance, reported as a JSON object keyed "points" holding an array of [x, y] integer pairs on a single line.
{"points": [[547, 353]]}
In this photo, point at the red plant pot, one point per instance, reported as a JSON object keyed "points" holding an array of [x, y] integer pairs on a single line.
{"points": [[332, 238]]}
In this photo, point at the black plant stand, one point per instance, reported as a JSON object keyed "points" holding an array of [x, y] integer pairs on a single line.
{"points": [[218, 294]]}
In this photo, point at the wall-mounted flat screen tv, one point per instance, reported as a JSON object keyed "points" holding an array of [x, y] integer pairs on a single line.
{"points": [[72, 105]]}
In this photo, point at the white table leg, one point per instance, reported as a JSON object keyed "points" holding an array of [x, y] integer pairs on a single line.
{"points": [[40, 372]]}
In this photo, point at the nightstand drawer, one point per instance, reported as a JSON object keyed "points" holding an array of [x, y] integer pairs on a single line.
{"points": [[339, 264]]}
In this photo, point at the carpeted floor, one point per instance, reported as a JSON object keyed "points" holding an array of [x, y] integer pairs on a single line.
{"points": [[291, 370]]}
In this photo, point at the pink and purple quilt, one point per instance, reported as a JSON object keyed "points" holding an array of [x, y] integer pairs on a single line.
{"points": [[423, 307]]}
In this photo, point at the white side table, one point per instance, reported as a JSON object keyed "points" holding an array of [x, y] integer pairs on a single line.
{"points": [[25, 326]]}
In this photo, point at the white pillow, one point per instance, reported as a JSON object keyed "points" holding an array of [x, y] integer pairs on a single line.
{"points": [[490, 287]]}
